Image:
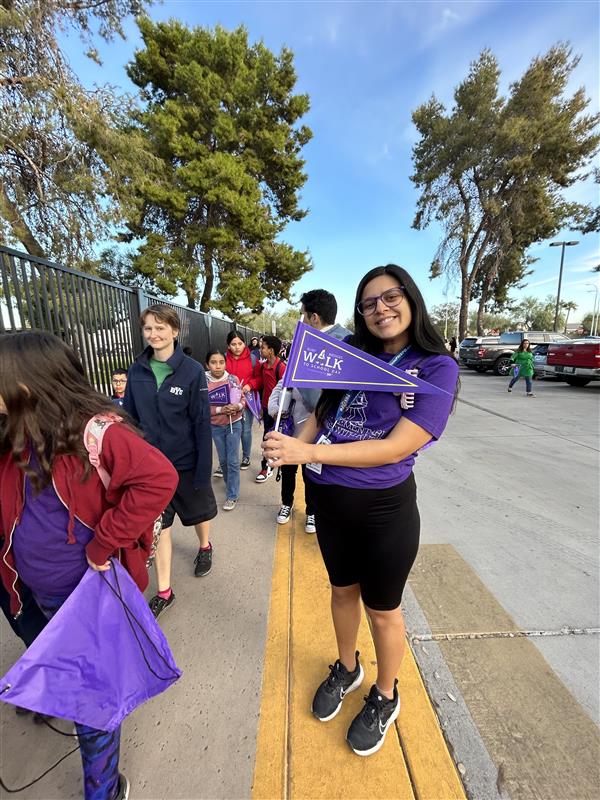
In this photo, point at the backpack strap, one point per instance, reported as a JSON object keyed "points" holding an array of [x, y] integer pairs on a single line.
{"points": [[93, 436]]}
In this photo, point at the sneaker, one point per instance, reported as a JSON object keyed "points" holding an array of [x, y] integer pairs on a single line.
{"points": [[284, 515], [158, 604], [367, 732], [330, 694], [123, 788], [509, 390], [218, 473], [530, 394], [310, 526], [229, 505], [264, 475], [245, 463], [203, 562]]}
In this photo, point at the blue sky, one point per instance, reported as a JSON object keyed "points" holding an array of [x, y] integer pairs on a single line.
{"points": [[366, 66]]}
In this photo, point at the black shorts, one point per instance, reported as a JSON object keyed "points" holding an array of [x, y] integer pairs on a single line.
{"points": [[369, 537], [191, 505]]}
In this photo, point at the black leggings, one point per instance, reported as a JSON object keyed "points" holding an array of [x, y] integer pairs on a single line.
{"points": [[288, 486], [369, 537]]}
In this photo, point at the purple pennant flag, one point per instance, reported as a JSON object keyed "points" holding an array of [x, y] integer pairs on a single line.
{"points": [[219, 396], [319, 361], [253, 403], [101, 655], [516, 371]]}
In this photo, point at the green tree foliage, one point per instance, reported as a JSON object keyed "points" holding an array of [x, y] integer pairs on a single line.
{"points": [[492, 171], [221, 118], [483, 324], [536, 314], [62, 149], [444, 318]]}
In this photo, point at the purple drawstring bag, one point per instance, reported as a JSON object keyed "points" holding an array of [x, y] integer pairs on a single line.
{"points": [[101, 656]]}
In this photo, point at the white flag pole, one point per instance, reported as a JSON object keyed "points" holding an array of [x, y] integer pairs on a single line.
{"points": [[282, 398]]}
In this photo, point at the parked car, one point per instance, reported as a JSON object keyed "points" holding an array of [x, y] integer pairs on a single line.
{"points": [[540, 362], [578, 362], [496, 356], [471, 344]]}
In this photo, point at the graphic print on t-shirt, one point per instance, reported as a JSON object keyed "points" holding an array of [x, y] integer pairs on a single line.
{"points": [[352, 424]]}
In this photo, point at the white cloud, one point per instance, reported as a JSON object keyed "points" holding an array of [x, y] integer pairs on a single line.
{"points": [[542, 283]]}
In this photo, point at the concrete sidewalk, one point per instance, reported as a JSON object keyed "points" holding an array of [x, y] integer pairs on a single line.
{"points": [[199, 739], [299, 757]]}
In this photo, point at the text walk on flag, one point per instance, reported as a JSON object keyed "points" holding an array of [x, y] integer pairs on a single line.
{"points": [[219, 396], [319, 361]]}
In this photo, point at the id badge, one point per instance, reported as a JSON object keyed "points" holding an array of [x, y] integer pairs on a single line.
{"points": [[318, 468]]}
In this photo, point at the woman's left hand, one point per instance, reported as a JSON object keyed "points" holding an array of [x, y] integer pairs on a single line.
{"points": [[279, 449], [99, 567]]}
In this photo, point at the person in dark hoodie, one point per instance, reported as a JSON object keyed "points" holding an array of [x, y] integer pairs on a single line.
{"points": [[167, 396]]}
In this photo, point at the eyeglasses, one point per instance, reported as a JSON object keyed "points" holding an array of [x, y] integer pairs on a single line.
{"points": [[119, 380], [391, 298]]}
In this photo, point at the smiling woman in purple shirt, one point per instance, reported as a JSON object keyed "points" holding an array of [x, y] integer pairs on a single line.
{"points": [[360, 448]]}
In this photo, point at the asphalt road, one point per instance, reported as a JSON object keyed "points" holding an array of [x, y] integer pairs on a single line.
{"points": [[510, 546]]}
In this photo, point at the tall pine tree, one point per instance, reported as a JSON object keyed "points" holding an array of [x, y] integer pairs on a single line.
{"points": [[221, 118]]}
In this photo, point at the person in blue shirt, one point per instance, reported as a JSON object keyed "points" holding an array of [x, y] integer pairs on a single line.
{"points": [[167, 396]]}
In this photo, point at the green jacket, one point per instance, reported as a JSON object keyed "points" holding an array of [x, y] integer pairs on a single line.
{"points": [[524, 360]]}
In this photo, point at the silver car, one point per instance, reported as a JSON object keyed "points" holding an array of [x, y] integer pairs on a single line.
{"points": [[540, 357]]}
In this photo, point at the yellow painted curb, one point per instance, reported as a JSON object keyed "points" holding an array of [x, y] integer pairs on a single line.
{"points": [[271, 769], [300, 758]]}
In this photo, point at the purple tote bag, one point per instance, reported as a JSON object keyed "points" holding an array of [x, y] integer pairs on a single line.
{"points": [[100, 656]]}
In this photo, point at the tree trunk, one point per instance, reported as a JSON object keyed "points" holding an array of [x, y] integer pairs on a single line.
{"points": [[465, 294], [209, 279], [19, 227]]}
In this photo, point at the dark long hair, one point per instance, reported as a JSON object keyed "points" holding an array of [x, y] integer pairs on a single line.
{"points": [[522, 349], [48, 402], [422, 332]]}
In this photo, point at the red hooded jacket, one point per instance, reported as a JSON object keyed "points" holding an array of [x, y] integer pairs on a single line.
{"points": [[122, 517], [241, 367]]}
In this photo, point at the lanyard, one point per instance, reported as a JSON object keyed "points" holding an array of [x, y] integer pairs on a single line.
{"points": [[350, 396]]}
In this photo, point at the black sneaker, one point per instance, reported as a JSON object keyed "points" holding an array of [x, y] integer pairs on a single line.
{"points": [[158, 604], [245, 463], [330, 694], [203, 562], [367, 732], [123, 788]]}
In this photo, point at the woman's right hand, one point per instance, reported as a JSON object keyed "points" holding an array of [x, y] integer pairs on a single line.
{"points": [[98, 567]]}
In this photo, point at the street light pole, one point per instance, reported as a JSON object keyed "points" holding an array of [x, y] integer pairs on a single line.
{"points": [[596, 311], [562, 261]]}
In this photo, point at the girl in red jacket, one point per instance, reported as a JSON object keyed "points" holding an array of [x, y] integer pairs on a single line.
{"points": [[240, 361], [56, 518]]}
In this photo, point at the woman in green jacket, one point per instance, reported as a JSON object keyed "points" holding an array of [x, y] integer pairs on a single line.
{"points": [[523, 361]]}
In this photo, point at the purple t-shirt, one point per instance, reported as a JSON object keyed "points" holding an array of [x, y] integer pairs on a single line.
{"points": [[372, 415], [45, 561]]}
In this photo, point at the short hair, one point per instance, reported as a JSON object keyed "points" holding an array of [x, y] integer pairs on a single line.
{"points": [[321, 302], [118, 371], [273, 342], [162, 313], [234, 335]]}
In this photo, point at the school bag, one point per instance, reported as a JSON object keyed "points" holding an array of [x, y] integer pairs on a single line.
{"points": [[93, 435]]}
